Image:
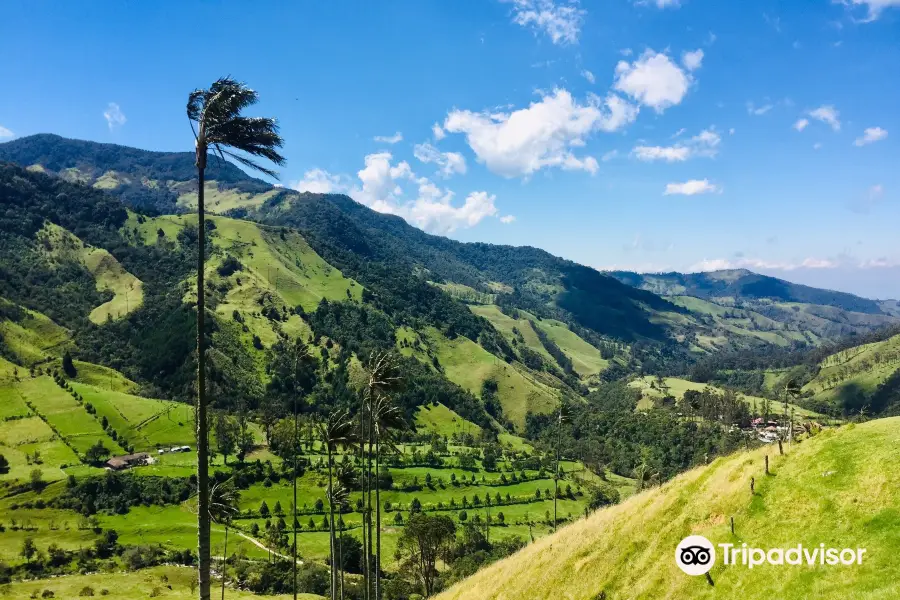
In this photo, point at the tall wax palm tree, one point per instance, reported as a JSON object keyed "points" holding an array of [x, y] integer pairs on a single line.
{"points": [[340, 496], [223, 507], [384, 418], [215, 116], [562, 416], [335, 430]]}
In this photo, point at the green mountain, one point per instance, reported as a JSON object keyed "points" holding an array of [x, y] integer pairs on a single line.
{"points": [[771, 309]]}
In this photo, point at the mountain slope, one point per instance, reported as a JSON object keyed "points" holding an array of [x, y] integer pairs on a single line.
{"points": [[840, 488], [744, 284], [158, 181]]}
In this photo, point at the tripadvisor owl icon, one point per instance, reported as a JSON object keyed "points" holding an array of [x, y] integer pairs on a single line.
{"points": [[695, 555]]}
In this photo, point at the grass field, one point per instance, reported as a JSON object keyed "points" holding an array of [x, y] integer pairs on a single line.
{"points": [[167, 582], [222, 200], [586, 359], [840, 488], [443, 421], [34, 337], [861, 368], [109, 275], [677, 388], [147, 424], [468, 365]]}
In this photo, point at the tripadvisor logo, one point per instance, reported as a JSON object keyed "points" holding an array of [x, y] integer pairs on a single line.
{"points": [[696, 555]]}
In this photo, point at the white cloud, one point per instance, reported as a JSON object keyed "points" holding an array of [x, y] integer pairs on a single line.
{"points": [[5, 133], [731, 131], [801, 124], [449, 163], [827, 114], [692, 60], [561, 21], [875, 7], [589, 76], [524, 141], [817, 146], [812, 262], [679, 132], [706, 143], [507, 219], [394, 188], [438, 132], [114, 116], [870, 135], [389, 139], [691, 188], [319, 181], [666, 153], [660, 3], [653, 80], [758, 110]]}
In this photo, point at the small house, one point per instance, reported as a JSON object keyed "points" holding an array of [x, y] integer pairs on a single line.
{"points": [[118, 463]]}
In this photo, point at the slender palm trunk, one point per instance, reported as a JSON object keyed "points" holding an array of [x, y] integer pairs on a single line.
{"points": [[341, 554], [369, 552], [224, 560], [295, 446], [556, 475], [377, 519], [203, 519], [363, 482], [331, 523]]}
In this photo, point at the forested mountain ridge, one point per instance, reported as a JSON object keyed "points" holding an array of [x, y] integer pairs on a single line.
{"points": [[743, 284], [150, 181], [414, 276]]}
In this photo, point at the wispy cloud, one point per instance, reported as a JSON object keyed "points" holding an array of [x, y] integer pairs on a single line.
{"points": [[828, 114], [389, 139], [801, 124], [704, 144], [874, 7], [5, 133], [114, 116], [692, 188], [560, 21], [871, 135], [758, 111], [449, 163], [589, 76]]}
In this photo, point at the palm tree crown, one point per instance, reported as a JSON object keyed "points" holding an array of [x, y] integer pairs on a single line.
{"points": [[217, 114]]}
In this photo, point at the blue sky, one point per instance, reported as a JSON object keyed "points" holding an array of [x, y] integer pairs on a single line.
{"points": [[654, 135]]}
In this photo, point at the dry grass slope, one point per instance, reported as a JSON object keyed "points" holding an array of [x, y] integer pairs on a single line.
{"points": [[840, 488]]}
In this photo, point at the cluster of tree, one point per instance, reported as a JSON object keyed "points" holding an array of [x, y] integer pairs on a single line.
{"points": [[117, 492], [106, 553], [606, 433]]}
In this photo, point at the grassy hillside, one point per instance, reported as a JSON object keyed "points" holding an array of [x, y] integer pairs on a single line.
{"points": [[468, 365], [220, 199], [443, 421], [586, 359], [857, 370], [28, 336], [840, 488], [126, 289], [677, 387]]}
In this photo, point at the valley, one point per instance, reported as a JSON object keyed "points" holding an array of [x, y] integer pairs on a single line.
{"points": [[548, 415]]}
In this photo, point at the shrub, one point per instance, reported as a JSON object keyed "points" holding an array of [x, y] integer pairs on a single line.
{"points": [[86, 591]]}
